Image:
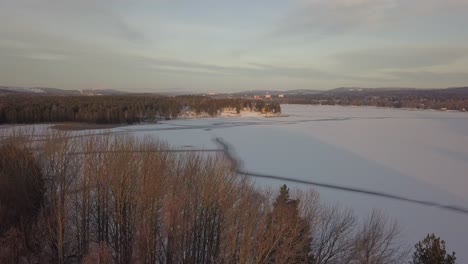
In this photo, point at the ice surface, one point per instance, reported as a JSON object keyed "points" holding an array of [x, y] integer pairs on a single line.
{"points": [[418, 154]]}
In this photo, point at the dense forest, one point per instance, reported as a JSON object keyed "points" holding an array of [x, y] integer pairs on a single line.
{"points": [[450, 99], [117, 109], [119, 199]]}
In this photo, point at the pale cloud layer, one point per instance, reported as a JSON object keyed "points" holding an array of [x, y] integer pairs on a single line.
{"points": [[233, 45]]}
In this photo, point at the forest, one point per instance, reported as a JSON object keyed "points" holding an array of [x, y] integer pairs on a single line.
{"points": [[450, 99], [117, 109], [119, 199]]}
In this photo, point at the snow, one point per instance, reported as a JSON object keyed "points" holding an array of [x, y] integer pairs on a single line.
{"points": [[233, 113], [24, 90], [226, 113], [417, 154]]}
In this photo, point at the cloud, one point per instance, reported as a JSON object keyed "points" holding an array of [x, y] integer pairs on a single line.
{"points": [[294, 71], [46, 57], [255, 70], [213, 69], [69, 18], [401, 57], [80, 42], [319, 18], [431, 78]]}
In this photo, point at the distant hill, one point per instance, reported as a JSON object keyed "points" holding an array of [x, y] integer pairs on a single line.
{"points": [[9, 89], [451, 92], [358, 91], [6, 90], [301, 91], [37, 90], [341, 91], [463, 91], [102, 92], [441, 99], [276, 92], [56, 91]]}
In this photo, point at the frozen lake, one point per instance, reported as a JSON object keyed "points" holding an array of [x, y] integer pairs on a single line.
{"points": [[417, 154]]}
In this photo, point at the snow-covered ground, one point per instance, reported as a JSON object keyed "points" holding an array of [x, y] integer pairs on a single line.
{"points": [[417, 154], [224, 113]]}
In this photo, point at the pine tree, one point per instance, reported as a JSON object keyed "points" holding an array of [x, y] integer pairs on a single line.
{"points": [[432, 250], [290, 231], [283, 196]]}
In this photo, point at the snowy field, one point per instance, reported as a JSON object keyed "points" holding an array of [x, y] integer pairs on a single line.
{"points": [[417, 154]]}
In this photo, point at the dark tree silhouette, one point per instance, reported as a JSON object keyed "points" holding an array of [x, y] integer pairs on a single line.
{"points": [[21, 187], [431, 250], [450, 99], [117, 109], [288, 234], [21, 198]]}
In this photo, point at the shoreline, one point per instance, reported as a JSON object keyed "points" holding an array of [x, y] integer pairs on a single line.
{"points": [[386, 107], [79, 126]]}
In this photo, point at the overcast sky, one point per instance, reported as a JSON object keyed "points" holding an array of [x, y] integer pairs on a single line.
{"points": [[215, 45]]}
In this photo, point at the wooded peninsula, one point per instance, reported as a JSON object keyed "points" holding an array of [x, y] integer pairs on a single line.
{"points": [[119, 109]]}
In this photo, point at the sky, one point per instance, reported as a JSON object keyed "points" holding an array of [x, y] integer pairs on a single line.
{"points": [[230, 46]]}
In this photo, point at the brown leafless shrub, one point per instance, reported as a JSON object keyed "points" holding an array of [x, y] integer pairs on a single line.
{"points": [[98, 254], [378, 241], [61, 170], [13, 247], [334, 234]]}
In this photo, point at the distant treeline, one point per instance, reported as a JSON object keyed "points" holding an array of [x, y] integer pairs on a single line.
{"points": [[117, 109], [451, 99]]}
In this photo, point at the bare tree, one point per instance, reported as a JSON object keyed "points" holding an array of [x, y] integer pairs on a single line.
{"points": [[60, 171], [334, 235], [286, 234], [378, 241]]}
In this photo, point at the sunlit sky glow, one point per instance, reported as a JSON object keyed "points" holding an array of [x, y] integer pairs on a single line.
{"points": [[228, 46]]}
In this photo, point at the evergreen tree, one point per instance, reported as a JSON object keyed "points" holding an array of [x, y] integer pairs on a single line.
{"points": [[290, 231], [283, 196], [21, 187], [432, 250]]}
